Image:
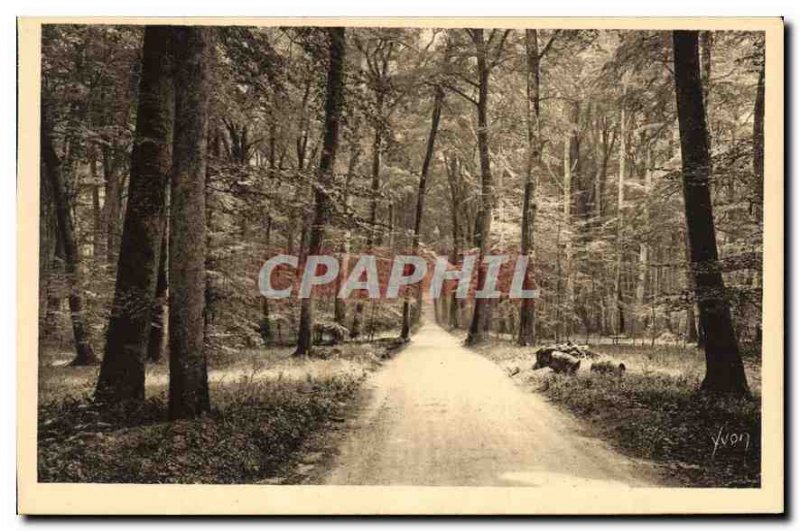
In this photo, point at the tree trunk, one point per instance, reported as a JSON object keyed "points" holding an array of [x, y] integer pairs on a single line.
{"points": [[322, 201], [372, 236], [301, 147], [455, 197], [112, 205], [476, 333], [98, 238], [527, 308], [644, 248], [571, 182], [724, 368], [157, 340], [620, 316], [758, 135], [692, 335], [266, 326], [84, 354], [188, 374], [339, 304], [121, 378], [423, 177], [706, 44]]}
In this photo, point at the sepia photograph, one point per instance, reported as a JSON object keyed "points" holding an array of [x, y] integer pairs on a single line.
{"points": [[539, 255]]}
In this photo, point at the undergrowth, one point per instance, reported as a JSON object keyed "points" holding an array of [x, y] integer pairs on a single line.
{"points": [[252, 431], [699, 439]]}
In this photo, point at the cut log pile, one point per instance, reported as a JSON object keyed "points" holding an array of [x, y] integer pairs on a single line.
{"points": [[578, 351]]}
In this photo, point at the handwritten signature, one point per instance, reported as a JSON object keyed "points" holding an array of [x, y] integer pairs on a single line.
{"points": [[725, 440]]}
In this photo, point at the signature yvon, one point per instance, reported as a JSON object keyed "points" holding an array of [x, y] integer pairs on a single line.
{"points": [[725, 440]]}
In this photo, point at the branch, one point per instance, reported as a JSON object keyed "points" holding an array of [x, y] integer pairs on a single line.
{"points": [[549, 44], [499, 49], [462, 94]]}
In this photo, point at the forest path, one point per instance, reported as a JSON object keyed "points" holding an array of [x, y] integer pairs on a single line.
{"points": [[439, 414]]}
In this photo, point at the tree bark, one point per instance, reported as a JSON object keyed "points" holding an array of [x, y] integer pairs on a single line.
{"points": [[112, 205], [157, 339], [724, 368], [571, 182], [692, 335], [322, 201], [372, 236], [644, 248], [121, 378], [476, 332], [620, 315], [84, 353], [706, 44], [98, 238], [527, 308], [453, 172], [339, 304], [188, 376], [423, 178], [758, 135]]}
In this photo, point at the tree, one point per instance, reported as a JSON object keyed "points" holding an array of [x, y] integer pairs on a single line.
{"points": [[758, 131], [438, 99], [188, 374], [379, 52], [526, 335], [322, 201], [156, 341], [724, 368], [121, 378], [484, 65], [532, 166], [52, 169]]}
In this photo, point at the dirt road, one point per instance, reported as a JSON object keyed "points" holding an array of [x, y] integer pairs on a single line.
{"points": [[439, 414]]}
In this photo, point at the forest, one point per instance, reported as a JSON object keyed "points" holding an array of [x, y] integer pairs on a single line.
{"points": [[627, 166]]}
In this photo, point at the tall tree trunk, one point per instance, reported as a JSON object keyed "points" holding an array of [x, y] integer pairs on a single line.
{"points": [[50, 261], [527, 308], [322, 202], [476, 333], [571, 183], [112, 205], [188, 373], [758, 135], [121, 377], [458, 238], [644, 248], [339, 304], [157, 340], [301, 147], [423, 178], [266, 326], [98, 238], [694, 333], [706, 44], [619, 325], [372, 236], [84, 354], [724, 368]]}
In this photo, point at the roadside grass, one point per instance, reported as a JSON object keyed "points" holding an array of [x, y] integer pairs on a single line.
{"points": [[265, 404], [655, 411], [699, 440]]}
